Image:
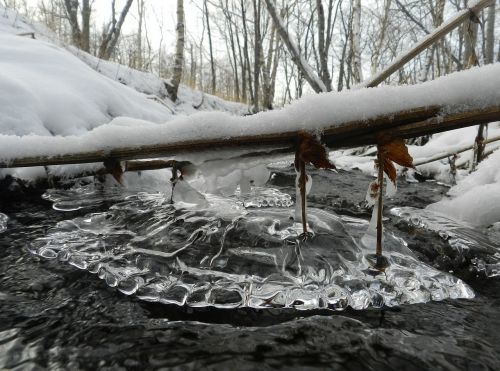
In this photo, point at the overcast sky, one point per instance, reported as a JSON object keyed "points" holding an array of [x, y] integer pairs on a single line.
{"points": [[158, 12]]}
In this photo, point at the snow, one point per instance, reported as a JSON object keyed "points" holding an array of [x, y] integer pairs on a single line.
{"points": [[47, 91], [476, 198]]}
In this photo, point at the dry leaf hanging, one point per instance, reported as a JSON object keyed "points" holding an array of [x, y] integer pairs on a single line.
{"points": [[311, 151], [394, 151]]}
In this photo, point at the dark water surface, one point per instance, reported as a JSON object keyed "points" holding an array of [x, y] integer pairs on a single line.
{"points": [[54, 316]]}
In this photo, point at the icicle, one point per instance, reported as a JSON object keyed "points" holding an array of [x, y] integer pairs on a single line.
{"points": [[391, 187]]}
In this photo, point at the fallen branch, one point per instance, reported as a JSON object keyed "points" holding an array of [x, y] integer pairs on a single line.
{"points": [[444, 155], [407, 124], [433, 37]]}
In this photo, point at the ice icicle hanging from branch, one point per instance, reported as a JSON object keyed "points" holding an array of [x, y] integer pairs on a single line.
{"points": [[179, 169], [390, 151], [309, 151]]}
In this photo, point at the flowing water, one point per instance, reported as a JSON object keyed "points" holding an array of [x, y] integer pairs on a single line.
{"points": [[113, 279]]}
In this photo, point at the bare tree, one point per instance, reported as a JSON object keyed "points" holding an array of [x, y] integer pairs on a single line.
{"points": [[323, 44], [111, 33], [357, 70], [302, 64], [179, 53], [212, 63]]}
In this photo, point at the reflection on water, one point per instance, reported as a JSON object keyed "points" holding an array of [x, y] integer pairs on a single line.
{"points": [[242, 251]]}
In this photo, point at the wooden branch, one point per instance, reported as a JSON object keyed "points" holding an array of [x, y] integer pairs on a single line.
{"points": [[407, 124], [443, 155], [433, 37]]}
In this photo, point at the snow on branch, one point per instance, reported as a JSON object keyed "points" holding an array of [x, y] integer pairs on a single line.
{"points": [[345, 119]]}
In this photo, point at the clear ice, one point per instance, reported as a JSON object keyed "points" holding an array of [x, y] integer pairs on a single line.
{"points": [[245, 250]]}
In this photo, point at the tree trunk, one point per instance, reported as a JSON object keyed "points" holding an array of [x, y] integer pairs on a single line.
{"points": [[72, 13], [357, 70], [322, 46], [380, 42], [179, 52], [212, 63], [490, 36], [245, 49], [470, 39], [85, 35], [257, 61], [112, 34], [138, 57]]}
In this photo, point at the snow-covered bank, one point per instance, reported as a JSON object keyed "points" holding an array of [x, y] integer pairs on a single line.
{"points": [[47, 91], [476, 197]]}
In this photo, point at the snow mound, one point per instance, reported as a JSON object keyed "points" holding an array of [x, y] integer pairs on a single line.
{"points": [[47, 91], [476, 198]]}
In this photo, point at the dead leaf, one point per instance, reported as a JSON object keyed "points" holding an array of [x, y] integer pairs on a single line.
{"points": [[311, 151], [397, 151], [394, 151]]}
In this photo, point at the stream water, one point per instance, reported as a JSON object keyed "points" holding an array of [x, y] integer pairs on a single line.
{"points": [[110, 279]]}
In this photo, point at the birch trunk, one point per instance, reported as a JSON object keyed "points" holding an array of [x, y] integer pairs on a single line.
{"points": [[179, 51], [357, 71]]}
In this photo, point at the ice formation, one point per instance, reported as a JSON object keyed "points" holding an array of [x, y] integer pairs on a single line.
{"points": [[230, 253]]}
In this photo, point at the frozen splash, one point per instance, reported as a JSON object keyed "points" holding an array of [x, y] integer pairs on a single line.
{"points": [[240, 251]]}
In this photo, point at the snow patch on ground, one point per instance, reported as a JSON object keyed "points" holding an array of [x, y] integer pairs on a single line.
{"points": [[476, 198]]}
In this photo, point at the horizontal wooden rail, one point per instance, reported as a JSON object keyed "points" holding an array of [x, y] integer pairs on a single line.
{"points": [[408, 124]]}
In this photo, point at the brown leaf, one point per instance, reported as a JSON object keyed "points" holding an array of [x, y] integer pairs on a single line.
{"points": [[397, 151], [390, 169], [311, 151], [394, 151]]}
